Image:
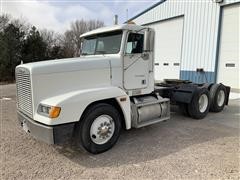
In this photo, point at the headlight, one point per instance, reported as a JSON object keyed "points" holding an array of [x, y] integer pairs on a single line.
{"points": [[49, 111]]}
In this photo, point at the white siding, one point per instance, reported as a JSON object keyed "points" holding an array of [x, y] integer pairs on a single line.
{"points": [[168, 43], [200, 35], [229, 57]]}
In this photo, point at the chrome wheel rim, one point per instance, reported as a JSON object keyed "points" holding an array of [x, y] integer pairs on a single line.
{"points": [[203, 103], [220, 98], [102, 129]]}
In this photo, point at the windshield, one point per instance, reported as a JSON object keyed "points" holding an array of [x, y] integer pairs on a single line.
{"points": [[105, 43]]}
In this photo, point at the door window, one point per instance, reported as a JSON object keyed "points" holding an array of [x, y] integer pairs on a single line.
{"points": [[134, 43]]}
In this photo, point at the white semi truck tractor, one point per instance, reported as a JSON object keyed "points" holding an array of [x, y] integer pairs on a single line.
{"points": [[111, 86]]}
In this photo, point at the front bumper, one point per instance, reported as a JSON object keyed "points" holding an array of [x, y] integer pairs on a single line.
{"points": [[57, 134]]}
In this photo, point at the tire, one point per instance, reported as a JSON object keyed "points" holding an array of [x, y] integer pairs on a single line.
{"points": [[199, 106], [183, 107], [217, 97], [105, 117]]}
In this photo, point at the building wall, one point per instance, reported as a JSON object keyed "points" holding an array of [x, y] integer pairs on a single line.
{"points": [[228, 70], [200, 34]]}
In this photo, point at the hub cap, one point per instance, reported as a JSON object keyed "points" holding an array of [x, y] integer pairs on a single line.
{"points": [[220, 98], [102, 129], [203, 103]]}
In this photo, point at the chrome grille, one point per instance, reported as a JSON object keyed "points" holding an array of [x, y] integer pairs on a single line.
{"points": [[24, 95]]}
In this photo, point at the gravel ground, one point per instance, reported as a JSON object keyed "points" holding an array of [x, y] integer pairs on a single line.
{"points": [[180, 148]]}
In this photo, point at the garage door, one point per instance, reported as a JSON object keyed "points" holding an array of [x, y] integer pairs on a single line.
{"points": [[228, 67], [168, 42]]}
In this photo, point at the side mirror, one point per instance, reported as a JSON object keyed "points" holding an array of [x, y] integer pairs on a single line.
{"points": [[147, 43]]}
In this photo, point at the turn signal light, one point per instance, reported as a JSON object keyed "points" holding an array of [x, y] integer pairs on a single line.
{"points": [[54, 112]]}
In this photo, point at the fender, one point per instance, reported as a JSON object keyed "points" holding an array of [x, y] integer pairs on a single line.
{"points": [[185, 92], [74, 103]]}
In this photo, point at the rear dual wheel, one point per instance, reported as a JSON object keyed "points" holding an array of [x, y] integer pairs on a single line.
{"points": [[200, 104], [183, 107], [218, 97], [205, 101]]}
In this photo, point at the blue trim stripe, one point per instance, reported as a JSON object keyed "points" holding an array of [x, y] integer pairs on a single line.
{"points": [[198, 77], [146, 10], [219, 31]]}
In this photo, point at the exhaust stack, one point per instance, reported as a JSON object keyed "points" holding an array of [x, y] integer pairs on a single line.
{"points": [[115, 20]]}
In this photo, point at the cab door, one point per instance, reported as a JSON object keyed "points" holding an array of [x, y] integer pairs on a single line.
{"points": [[136, 65]]}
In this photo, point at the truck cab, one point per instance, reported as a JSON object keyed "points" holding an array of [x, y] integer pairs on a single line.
{"points": [[110, 87], [125, 45]]}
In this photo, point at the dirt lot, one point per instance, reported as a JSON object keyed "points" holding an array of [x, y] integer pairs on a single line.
{"points": [[179, 148]]}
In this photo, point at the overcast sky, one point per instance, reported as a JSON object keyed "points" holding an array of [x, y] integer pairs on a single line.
{"points": [[57, 14]]}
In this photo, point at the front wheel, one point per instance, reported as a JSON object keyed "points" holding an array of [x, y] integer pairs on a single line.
{"points": [[199, 106], [99, 128]]}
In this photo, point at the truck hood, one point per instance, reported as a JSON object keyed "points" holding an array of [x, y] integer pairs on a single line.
{"points": [[68, 65], [46, 79]]}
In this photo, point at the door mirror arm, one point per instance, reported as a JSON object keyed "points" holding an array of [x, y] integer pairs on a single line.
{"points": [[145, 56]]}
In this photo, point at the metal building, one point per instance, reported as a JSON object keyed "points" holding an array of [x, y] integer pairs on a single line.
{"points": [[196, 40]]}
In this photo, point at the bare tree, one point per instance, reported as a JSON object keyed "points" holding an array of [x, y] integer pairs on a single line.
{"points": [[78, 27], [48, 37], [4, 20], [68, 44], [22, 24], [93, 24]]}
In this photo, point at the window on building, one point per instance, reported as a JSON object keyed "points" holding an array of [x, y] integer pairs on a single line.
{"points": [[134, 43]]}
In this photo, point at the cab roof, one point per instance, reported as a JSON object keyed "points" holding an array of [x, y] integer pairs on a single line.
{"points": [[132, 27]]}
